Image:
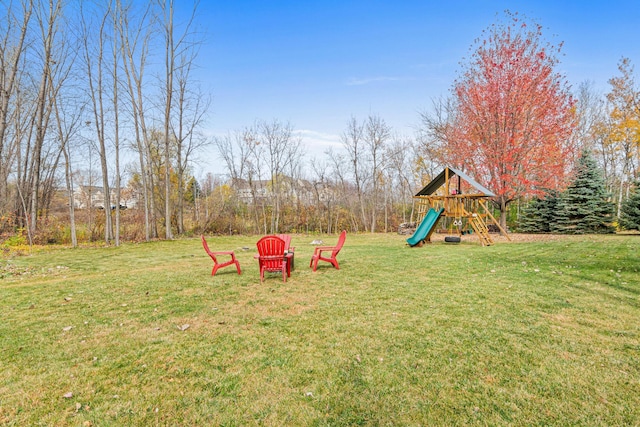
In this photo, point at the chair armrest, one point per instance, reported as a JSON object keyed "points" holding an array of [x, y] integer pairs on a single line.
{"points": [[319, 249]]}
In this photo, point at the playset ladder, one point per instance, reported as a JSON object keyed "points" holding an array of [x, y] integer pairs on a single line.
{"points": [[481, 230]]}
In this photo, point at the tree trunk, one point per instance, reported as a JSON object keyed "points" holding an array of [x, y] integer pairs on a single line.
{"points": [[503, 213], [169, 64]]}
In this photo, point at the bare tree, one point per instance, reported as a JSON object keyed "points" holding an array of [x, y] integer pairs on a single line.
{"points": [[67, 125], [234, 153], [353, 142], [400, 171], [376, 135], [345, 189], [179, 55], [323, 193], [283, 151], [12, 48], [135, 37], [235, 149], [94, 56], [170, 48], [255, 159], [46, 24], [115, 66], [191, 107]]}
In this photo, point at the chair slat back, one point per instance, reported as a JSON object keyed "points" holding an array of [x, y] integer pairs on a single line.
{"points": [[287, 240], [207, 250], [341, 240], [271, 251]]}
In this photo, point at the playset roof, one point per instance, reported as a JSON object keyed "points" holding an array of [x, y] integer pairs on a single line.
{"points": [[438, 181]]}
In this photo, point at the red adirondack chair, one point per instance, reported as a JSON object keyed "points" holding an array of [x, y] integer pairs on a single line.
{"points": [[317, 254], [271, 256], [216, 264]]}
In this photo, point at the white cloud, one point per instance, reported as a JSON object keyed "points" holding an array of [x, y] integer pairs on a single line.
{"points": [[317, 143]]}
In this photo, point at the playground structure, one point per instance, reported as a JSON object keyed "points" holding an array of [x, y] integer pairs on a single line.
{"points": [[459, 203]]}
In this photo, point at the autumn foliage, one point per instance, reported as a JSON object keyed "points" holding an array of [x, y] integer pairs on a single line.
{"points": [[514, 114]]}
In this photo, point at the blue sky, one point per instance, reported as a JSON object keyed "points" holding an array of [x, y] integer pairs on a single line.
{"points": [[317, 63]]}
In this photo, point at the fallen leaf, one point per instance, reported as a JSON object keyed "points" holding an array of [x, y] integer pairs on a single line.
{"points": [[67, 328], [184, 327], [68, 395]]}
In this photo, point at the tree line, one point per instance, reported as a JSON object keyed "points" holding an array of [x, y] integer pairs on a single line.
{"points": [[95, 83], [105, 80]]}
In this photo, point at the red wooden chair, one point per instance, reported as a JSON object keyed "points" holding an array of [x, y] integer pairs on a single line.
{"points": [[271, 256], [317, 254], [218, 265]]}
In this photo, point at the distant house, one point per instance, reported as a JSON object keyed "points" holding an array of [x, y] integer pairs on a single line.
{"points": [[300, 190], [85, 196], [247, 194]]}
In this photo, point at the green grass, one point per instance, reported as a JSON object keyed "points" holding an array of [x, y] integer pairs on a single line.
{"points": [[536, 333]]}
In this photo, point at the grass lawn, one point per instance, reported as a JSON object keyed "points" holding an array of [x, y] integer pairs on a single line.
{"points": [[543, 332]]}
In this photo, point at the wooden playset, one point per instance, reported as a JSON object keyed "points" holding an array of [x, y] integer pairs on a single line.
{"points": [[457, 205]]}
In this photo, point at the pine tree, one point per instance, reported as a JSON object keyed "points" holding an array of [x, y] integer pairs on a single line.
{"points": [[630, 215], [584, 207], [540, 214], [529, 221]]}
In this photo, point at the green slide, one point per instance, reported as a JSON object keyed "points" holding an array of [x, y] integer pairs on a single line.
{"points": [[426, 226]]}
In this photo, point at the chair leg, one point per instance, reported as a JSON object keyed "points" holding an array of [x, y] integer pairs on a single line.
{"points": [[238, 268]]}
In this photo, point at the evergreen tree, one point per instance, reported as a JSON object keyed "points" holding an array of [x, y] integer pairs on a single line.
{"points": [[540, 214], [630, 215], [529, 221], [584, 207]]}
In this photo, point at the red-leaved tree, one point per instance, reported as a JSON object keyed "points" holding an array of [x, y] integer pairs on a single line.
{"points": [[512, 115]]}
